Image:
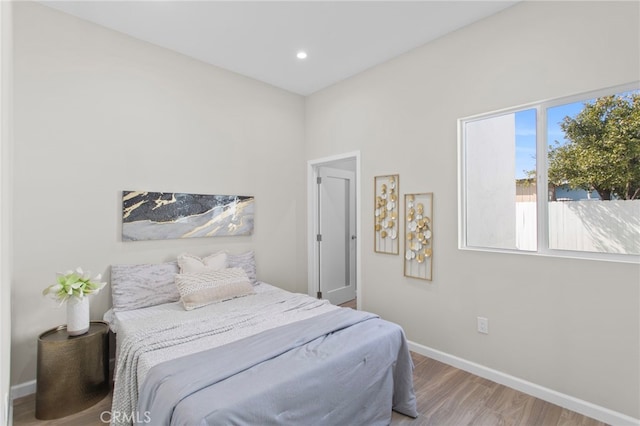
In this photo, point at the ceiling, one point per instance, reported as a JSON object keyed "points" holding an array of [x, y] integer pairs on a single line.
{"points": [[260, 39]]}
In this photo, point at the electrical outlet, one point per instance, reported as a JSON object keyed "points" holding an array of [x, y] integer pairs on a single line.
{"points": [[483, 325]]}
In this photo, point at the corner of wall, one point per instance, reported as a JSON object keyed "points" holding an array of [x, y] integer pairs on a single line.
{"points": [[6, 83]]}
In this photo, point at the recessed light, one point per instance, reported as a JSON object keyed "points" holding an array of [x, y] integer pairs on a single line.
{"points": [[301, 54]]}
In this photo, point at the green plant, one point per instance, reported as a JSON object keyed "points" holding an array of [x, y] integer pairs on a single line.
{"points": [[74, 284]]}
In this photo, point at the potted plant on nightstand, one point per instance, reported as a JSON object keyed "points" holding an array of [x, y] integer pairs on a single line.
{"points": [[73, 288]]}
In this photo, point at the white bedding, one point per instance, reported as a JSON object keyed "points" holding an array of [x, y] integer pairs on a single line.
{"points": [[235, 319], [114, 318]]}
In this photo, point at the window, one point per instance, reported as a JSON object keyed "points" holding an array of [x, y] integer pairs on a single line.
{"points": [[558, 178]]}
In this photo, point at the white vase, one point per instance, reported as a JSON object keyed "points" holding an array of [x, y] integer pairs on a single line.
{"points": [[77, 315]]}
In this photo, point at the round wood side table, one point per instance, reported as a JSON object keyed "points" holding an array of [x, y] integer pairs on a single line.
{"points": [[73, 371]]}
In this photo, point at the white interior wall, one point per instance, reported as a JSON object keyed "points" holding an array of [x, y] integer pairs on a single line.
{"points": [[569, 325], [140, 115], [97, 112], [5, 214]]}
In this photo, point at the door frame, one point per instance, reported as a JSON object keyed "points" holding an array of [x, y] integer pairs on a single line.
{"points": [[313, 266]]}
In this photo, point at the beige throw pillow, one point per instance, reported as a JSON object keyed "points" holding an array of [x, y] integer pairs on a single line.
{"points": [[190, 263], [199, 289]]}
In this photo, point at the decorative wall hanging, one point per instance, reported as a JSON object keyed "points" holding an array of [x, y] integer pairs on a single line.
{"points": [[386, 217], [167, 215], [418, 243]]}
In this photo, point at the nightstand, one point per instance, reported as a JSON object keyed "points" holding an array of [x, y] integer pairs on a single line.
{"points": [[73, 371]]}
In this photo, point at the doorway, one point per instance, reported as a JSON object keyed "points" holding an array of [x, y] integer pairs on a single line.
{"points": [[333, 228]]}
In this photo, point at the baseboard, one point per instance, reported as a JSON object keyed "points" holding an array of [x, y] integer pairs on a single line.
{"points": [[566, 401], [23, 389]]}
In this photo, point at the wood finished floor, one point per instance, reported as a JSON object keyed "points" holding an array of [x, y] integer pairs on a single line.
{"points": [[446, 396]]}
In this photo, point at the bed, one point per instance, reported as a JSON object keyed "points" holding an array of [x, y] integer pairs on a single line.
{"points": [[270, 357]]}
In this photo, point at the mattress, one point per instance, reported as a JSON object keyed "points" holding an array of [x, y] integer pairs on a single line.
{"points": [[267, 308], [162, 334]]}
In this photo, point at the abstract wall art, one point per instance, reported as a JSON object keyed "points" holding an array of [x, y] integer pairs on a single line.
{"points": [[169, 215]]}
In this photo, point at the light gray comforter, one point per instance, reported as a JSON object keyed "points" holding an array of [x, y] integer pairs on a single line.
{"points": [[343, 367]]}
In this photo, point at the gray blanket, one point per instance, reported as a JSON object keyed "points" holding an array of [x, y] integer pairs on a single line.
{"points": [[342, 367]]}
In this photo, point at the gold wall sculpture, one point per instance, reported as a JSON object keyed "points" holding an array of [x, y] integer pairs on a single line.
{"points": [[418, 243], [386, 214]]}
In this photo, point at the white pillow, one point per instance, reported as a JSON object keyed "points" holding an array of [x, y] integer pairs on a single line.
{"points": [[199, 289], [189, 263]]}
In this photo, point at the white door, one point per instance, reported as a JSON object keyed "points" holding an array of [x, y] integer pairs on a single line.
{"points": [[336, 234]]}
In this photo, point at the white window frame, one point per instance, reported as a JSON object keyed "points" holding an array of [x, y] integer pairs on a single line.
{"points": [[541, 179]]}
